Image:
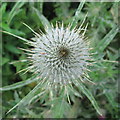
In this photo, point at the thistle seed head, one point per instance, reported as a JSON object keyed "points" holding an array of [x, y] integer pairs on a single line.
{"points": [[60, 55]]}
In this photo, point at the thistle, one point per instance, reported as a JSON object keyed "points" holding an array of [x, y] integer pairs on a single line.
{"points": [[60, 55]]}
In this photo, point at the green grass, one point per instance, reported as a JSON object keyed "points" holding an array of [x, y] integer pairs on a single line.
{"points": [[19, 89]]}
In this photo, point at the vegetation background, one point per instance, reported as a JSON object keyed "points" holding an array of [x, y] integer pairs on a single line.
{"points": [[102, 32]]}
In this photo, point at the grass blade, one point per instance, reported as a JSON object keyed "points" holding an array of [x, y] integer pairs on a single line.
{"points": [[40, 6], [27, 98], [19, 84], [90, 97], [15, 10], [42, 18], [107, 39], [77, 14], [21, 38], [110, 96]]}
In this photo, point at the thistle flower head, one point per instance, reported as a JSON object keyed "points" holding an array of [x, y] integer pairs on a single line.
{"points": [[60, 55]]}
